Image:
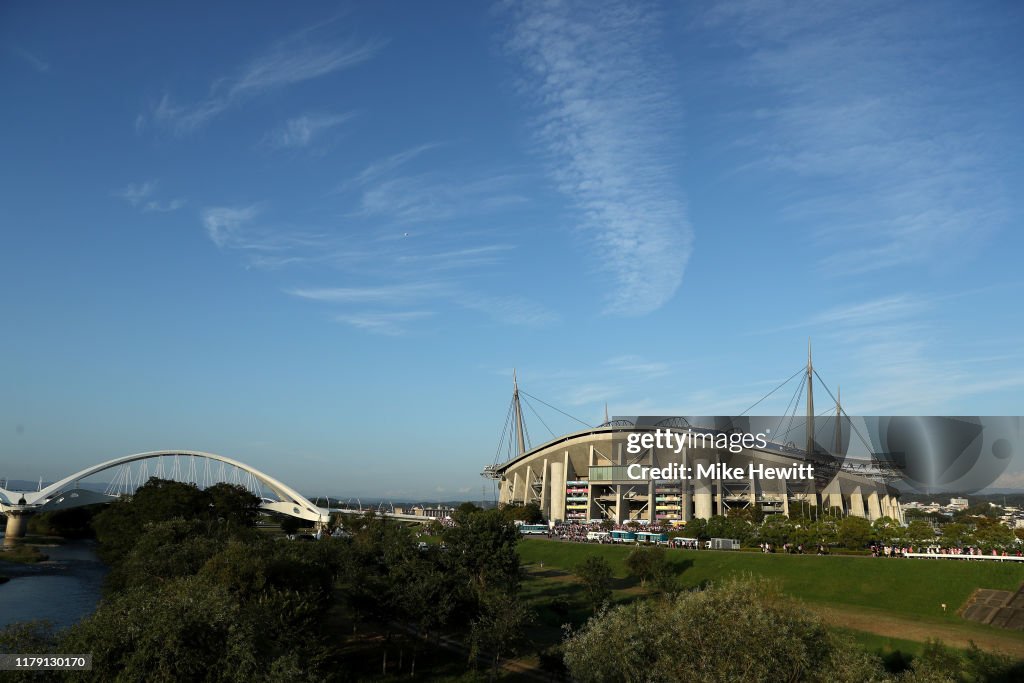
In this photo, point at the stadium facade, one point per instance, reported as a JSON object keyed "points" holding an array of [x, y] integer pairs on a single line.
{"points": [[586, 476]]}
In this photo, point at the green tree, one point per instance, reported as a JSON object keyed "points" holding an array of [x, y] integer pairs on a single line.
{"points": [[646, 562], [499, 629], [777, 530], [483, 548], [920, 531], [955, 534], [825, 532], [854, 532], [466, 509], [992, 533], [233, 504], [596, 575], [730, 632], [717, 527], [158, 500], [177, 630], [164, 550], [697, 528], [886, 530], [30, 638], [529, 513]]}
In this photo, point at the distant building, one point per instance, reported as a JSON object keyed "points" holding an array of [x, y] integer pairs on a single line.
{"points": [[432, 513], [958, 503]]}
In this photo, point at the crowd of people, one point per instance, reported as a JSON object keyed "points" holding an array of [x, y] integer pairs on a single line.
{"points": [[903, 551]]}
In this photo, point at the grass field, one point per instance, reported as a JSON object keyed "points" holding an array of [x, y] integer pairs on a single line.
{"points": [[889, 605], [909, 587]]}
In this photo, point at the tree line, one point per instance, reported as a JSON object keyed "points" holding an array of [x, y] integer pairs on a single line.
{"points": [[196, 591]]}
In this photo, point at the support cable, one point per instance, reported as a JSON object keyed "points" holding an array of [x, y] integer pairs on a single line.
{"points": [[556, 409], [534, 410]]}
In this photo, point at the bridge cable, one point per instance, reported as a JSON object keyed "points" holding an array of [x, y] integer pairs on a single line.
{"points": [[556, 409], [501, 440], [754, 405], [534, 410], [796, 404], [843, 410], [789, 405]]}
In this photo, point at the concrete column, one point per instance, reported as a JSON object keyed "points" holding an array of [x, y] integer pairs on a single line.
{"points": [[702, 503], [557, 492], [832, 496], [753, 492], [528, 489], [619, 518], [785, 498], [685, 491], [545, 500], [515, 486], [651, 516], [857, 502], [874, 508], [590, 461], [718, 508], [17, 525]]}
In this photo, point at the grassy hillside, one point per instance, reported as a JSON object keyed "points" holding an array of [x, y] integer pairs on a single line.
{"points": [[905, 587]]}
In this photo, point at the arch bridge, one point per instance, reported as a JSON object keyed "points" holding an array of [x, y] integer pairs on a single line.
{"points": [[132, 471]]}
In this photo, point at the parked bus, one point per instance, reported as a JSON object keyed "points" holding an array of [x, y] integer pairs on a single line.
{"points": [[651, 537], [623, 537], [538, 529]]}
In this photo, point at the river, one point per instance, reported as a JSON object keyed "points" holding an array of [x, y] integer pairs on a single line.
{"points": [[63, 590]]}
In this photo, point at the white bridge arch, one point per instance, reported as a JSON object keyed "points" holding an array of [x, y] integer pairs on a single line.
{"points": [[68, 493]]}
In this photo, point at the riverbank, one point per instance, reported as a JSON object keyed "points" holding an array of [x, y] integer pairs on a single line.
{"points": [[22, 554], [62, 589]]}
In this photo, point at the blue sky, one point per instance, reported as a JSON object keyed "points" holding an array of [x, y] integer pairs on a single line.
{"points": [[317, 238]]}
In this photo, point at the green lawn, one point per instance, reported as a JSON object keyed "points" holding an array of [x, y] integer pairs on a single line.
{"points": [[904, 587]]}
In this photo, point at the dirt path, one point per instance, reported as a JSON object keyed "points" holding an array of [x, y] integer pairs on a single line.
{"points": [[913, 629], [880, 623]]}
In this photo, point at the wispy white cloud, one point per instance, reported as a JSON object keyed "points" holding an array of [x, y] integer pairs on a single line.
{"points": [[33, 60], [293, 60], [470, 257], [301, 130], [385, 294], [895, 353], [429, 197], [899, 153], [607, 118], [637, 366], [224, 224], [136, 193], [163, 207], [386, 166], [508, 310], [140, 195], [388, 323]]}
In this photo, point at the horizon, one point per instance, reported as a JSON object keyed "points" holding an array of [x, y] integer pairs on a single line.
{"points": [[320, 240]]}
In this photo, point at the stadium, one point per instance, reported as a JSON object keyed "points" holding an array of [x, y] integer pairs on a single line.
{"points": [[585, 476]]}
